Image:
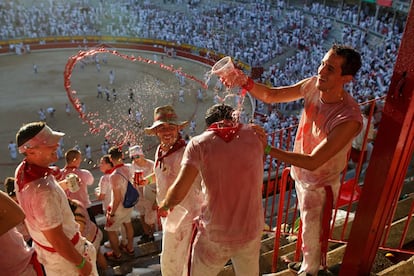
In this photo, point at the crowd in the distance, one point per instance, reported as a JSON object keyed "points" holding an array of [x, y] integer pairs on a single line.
{"points": [[287, 41], [255, 33]]}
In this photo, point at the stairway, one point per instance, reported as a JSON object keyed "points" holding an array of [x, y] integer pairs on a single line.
{"points": [[146, 261], [384, 264]]}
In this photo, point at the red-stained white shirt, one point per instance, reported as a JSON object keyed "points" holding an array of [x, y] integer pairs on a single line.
{"points": [[317, 121], [85, 179], [46, 206], [121, 185], [147, 169], [15, 254], [105, 188], [166, 174], [232, 173]]}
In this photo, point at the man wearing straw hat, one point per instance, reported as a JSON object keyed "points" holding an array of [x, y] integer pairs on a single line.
{"points": [[168, 157]]}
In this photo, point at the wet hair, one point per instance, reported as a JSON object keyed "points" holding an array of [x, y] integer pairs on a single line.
{"points": [[9, 186], [115, 152], [217, 113], [28, 131], [352, 59], [73, 205], [71, 155]]}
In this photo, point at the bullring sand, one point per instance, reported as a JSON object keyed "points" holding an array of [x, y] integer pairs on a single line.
{"points": [[24, 92]]}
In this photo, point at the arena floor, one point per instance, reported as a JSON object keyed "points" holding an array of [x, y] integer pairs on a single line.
{"points": [[24, 92]]}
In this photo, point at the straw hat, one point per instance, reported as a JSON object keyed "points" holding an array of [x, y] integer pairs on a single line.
{"points": [[165, 115]]}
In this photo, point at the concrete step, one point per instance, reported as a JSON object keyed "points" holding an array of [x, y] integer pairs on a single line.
{"points": [[145, 262], [402, 268], [146, 259], [336, 251], [150, 271]]}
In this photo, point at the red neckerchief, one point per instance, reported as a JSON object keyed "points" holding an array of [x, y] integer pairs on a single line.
{"points": [[226, 130], [177, 145], [109, 171], [117, 166], [30, 172]]}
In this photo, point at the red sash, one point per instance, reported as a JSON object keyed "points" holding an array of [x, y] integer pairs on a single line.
{"points": [[74, 241], [190, 248], [96, 234], [36, 265]]}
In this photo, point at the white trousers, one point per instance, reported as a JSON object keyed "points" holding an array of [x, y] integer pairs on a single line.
{"points": [[56, 265], [175, 248], [311, 206], [209, 258]]}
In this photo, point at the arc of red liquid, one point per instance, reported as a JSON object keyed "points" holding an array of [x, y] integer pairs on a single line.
{"points": [[96, 125]]}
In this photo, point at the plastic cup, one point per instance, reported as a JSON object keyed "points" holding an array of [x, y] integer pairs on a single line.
{"points": [[223, 67], [138, 177], [175, 218], [72, 182]]}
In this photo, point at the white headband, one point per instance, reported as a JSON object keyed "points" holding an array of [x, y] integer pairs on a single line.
{"points": [[134, 151], [46, 137]]}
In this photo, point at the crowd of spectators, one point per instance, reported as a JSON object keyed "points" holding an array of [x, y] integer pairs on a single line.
{"points": [[288, 42], [254, 32]]}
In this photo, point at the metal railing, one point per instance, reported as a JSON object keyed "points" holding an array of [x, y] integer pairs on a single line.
{"points": [[282, 212]]}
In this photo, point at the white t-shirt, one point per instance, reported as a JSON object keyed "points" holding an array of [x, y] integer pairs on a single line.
{"points": [[45, 205], [232, 212], [317, 121], [15, 254], [105, 188], [166, 174], [85, 179]]}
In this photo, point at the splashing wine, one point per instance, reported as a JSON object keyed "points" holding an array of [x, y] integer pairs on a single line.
{"points": [[225, 70], [109, 121]]}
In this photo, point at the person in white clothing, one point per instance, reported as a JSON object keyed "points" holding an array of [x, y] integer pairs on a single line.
{"points": [[67, 109], [103, 192], [331, 119], [12, 150], [60, 247], [116, 214], [85, 178], [168, 157], [111, 76], [88, 153], [146, 208], [357, 152], [181, 95], [42, 114], [16, 257], [230, 227]]}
